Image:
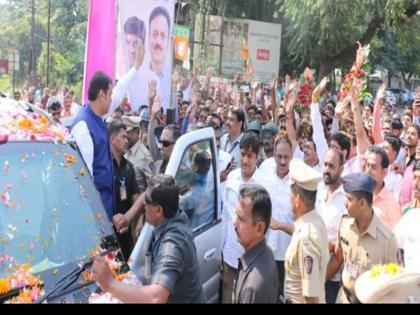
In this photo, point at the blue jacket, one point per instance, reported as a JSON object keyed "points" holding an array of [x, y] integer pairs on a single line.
{"points": [[103, 170]]}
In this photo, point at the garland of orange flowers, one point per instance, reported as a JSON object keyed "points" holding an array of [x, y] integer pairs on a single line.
{"points": [[23, 278], [29, 127]]}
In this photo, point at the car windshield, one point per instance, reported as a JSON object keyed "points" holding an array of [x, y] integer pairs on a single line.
{"points": [[50, 211]]}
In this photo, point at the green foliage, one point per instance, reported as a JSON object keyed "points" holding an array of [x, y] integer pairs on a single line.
{"points": [[396, 49], [68, 38]]}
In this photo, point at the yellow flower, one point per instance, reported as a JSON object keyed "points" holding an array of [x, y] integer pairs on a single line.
{"points": [[375, 271], [4, 286], [392, 269]]}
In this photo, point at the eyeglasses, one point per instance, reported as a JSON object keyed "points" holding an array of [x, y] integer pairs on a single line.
{"points": [[166, 143]]}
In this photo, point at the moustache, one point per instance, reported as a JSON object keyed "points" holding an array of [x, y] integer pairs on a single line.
{"points": [[157, 46]]}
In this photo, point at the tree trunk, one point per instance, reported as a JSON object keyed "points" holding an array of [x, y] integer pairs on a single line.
{"points": [[406, 79], [324, 70]]}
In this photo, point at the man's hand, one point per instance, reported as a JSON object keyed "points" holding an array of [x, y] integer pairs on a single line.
{"points": [[381, 93], [152, 89], [101, 273], [140, 52], [291, 103], [354, 97], [196, 69], [273, 82], [320, 88], [156, 108], [176, 75], [121, 223]]}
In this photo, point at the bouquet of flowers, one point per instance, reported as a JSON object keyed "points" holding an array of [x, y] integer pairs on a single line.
{"points": [[359, 74], [305, 92]]}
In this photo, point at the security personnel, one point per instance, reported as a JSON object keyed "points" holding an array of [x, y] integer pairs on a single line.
{"points": [[307, 255], [363, 239]]}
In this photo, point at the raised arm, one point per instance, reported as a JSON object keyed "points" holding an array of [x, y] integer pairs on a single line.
{"points": [[377, 124], [361, 136], [125, 82], [290, 117], [318, 129]]}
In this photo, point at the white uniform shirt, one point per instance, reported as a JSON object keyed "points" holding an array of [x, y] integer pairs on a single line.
{"points": [[282, 211], [231, 248], [331, 212]]}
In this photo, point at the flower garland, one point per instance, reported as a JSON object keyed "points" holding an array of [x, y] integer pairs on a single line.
{"points": [[359, 74], [114, 265], [391, 269], [305, 92], [23, 278], [22, 126]]}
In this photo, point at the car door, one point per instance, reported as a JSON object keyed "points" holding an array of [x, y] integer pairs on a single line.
{"points": [[194, 164]]}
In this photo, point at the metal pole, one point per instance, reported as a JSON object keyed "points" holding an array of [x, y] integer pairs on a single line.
{"points": [[48, 42], [14, 73], [32, 70]]}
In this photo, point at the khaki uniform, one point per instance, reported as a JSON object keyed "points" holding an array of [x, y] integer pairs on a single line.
{"points": [[142, 161], [378, 245], [306, 260]]}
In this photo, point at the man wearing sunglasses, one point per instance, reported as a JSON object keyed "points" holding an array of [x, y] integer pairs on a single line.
{"points": [[175, 272]]}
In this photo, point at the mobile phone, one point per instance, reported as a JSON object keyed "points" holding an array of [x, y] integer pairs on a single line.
{"points": [[230, 164]]}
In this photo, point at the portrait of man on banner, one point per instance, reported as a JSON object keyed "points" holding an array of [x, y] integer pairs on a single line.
{"points": [[151, 23]]}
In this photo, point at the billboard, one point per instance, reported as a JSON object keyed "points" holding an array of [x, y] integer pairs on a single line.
{"points": [[263, 41], [248, 46], [149, 21]]}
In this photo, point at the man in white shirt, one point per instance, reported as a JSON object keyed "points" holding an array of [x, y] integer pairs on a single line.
{"points": [[247, 174], [235, 125], [393, 180], [331, 205], [278, 182]]}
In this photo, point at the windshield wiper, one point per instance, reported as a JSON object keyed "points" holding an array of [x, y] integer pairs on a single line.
{"points": [[13, 292], [71, 277]]}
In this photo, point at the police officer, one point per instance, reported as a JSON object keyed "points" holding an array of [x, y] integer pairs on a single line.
{"points": [[363, 239], [307, 254]]}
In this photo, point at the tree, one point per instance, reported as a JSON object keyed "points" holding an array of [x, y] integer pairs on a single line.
{"points": [[323, 33], [396, 49], [68, 38]]}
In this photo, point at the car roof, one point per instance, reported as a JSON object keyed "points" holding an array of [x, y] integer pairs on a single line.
{"points": [[22, 122]]}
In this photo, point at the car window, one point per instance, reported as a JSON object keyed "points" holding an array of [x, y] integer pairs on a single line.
{"points": [[50, 211], [196, 179]]}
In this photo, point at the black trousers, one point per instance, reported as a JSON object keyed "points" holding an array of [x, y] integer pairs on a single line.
{"points": [[331, 291], [280, 271]]}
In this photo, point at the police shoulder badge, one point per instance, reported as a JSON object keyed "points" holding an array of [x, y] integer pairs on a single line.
{"points": [[308, 263]]}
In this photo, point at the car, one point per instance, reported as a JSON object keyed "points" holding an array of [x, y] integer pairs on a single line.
{"points": [[52, 219], [51, 214], [208, 232]]}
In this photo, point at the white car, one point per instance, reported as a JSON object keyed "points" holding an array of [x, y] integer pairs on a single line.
{"points": [[207, 233]]}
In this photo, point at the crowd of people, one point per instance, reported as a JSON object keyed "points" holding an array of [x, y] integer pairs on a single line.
{"points": [[310, 197]]}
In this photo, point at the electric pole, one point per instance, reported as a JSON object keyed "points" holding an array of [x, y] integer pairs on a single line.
{"points": [[32, 63], [48, 42]]}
